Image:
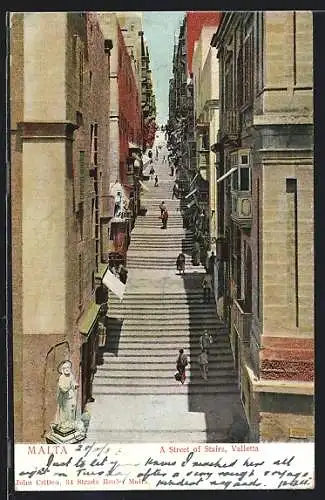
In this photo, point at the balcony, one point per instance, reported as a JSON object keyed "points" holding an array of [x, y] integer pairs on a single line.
{"points": [[230, 126], [241, 210], [241, 320], [203, 159]]}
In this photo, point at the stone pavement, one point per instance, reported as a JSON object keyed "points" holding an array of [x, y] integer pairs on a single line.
{"points": [[136, 396]]}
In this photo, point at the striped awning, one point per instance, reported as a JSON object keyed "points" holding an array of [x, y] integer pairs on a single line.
{"points": [[144, 186]]}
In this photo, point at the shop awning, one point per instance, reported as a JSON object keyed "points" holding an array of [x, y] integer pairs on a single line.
{"points": [[114, 284], [134, 146], [231, 171], [88, 319], [191, 193], [193, 202], [102, 268], [193, 179], [144, 186]]}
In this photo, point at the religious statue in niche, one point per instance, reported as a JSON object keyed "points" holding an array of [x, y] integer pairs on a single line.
{"points": [[118, 204], [66, 398], [69, 427]]}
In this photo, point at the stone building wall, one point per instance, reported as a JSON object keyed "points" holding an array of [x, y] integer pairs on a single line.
{"points": [[50, 114]]}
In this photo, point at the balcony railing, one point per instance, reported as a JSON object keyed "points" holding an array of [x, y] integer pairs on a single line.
{"points": [[241, 211], [230, 124], [241, 320]]}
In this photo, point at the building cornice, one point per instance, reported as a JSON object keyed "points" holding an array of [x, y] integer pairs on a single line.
{"points": [[280, 386], [48, 130], [222, 29]]}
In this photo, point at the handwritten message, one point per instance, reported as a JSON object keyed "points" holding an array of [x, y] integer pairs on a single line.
{"points": [[164, 466]]}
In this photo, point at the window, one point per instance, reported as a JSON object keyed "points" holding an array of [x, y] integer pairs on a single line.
{"points": [[248, 61], [241, 178], [81, 77], [94, 144], [93, 219], [80, 281], [244, 176], [82, 174], [258, 246], [259, 50]]}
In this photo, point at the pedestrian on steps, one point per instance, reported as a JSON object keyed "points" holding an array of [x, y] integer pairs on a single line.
{"points": [[175, 191], [162, 207], [156, 181], [203, 363], [207, 287], [205, 341], [152, 173], [180, 263], [164, 218], [181, 364]]}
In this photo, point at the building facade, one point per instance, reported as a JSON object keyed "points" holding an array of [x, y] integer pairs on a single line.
{"points": [[59, 139], [131, 27], [265, 215], [125, 136], [206, 114], [148, 98]]}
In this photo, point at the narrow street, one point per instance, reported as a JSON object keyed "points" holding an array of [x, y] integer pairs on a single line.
{"points": [[136, 396]]}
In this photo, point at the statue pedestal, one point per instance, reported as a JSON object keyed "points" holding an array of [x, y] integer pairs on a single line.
{"points": [[73, 436]]}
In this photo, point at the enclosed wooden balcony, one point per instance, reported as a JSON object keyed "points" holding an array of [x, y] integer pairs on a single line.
{"points": [[241, 210], [241, 320], [230, 125]]}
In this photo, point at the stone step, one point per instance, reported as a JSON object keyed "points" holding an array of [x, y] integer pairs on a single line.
{"points": [[164, 368], [164, 315], [219, 337], [209, 323], [165, 330], [159, 244], [172, 342], [148, 351], [156, 310], [213, 375], [172, 345], [171, 389], [218, 359], [111, 362], [154, 298], [157, 236], [157, 436]]}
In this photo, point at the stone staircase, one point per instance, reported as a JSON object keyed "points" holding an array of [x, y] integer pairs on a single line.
{"points": [[136, 396]]}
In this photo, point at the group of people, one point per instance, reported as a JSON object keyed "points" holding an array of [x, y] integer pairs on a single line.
{"points": [[206, 340], [163, 214]]}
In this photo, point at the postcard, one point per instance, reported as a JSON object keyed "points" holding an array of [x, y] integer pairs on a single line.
{"points": [[162, 221]]}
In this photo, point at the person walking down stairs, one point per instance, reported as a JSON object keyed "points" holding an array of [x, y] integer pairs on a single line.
{"points": [[164, 218], [162, 207], [207, 287], [156, 181], [180, 263], [181, 364], [204, 364]]}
